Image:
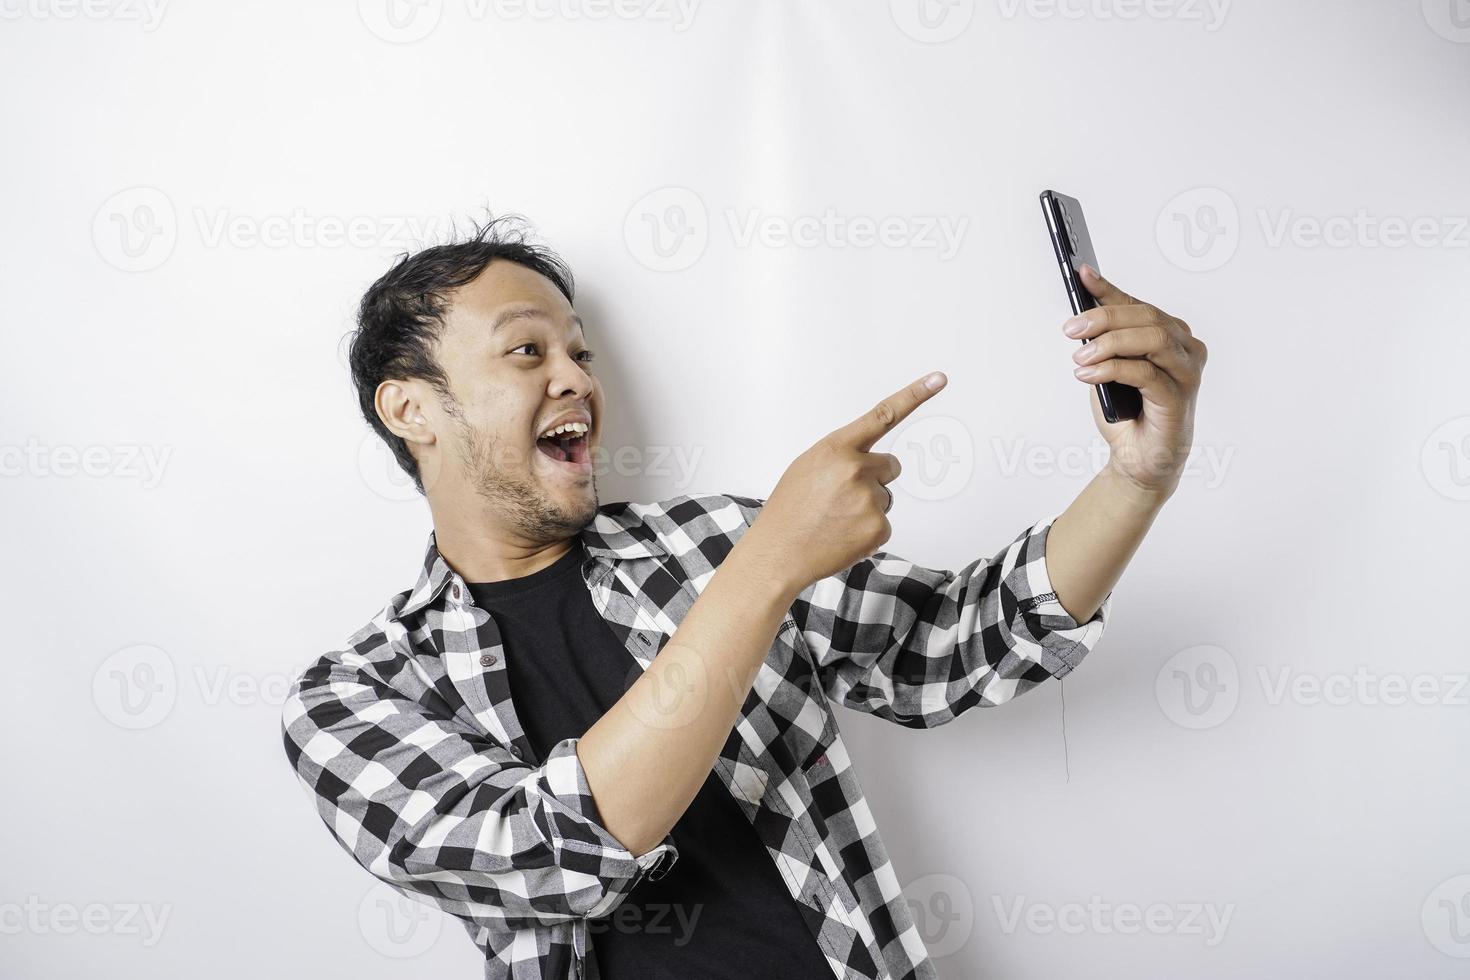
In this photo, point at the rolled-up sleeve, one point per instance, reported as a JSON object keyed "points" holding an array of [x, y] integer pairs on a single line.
{"points": [[918, 646], [447, 813]]}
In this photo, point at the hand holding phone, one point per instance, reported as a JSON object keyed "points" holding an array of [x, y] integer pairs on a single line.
{"points": [[1073, 247]]}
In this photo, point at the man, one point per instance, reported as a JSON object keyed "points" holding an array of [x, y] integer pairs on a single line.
{"points": [[602, 736]]}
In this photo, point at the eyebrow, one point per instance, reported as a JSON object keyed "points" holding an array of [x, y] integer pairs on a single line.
{"points": [[527, 313]]}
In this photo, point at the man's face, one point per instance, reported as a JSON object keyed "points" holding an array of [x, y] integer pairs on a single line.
{"points": [[516, 359]]}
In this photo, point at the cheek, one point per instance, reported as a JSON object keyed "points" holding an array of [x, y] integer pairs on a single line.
{"points": [[505, 415]]}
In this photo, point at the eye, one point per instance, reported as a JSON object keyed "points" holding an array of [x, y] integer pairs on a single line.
{"points": [[587, 356]]}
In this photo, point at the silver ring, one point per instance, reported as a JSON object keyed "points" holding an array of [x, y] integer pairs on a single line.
{"points": [[890, 499]]}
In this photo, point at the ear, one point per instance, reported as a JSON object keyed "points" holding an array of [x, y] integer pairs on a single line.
{"points": [[400, 406]]}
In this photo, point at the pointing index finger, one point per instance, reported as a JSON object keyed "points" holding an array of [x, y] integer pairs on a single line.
{"points": [[879, 420]]}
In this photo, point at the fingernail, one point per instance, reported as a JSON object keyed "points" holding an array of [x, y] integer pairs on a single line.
{"points": [[1090, 270], [1086, 371], [1075, 326], [934, 381]]}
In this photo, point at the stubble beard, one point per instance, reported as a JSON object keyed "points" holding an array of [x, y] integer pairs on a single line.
{"points": [[503, 480]]}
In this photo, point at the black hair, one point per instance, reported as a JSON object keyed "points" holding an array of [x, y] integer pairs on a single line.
{"points": [[401, 316]]}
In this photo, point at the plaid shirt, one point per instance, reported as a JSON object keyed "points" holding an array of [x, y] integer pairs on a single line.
{"points": [[408, 744]]}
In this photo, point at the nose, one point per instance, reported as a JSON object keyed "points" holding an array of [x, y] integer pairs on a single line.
{"points": [[568, 378]]}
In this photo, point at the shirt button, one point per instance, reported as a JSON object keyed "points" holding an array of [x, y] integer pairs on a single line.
{"points": [[488, 660], [456, 592]]}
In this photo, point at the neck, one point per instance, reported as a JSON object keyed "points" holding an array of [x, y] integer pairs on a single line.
{"points": [[477, 545]]}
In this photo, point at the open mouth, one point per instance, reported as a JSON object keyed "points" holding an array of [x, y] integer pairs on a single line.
{"points": [[568, 448]]}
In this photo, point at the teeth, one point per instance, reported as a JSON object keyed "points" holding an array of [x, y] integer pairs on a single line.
{"points": [[579, 428]]}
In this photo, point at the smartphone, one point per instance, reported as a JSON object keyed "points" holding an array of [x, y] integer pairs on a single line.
{"points": [[1073, 247]]}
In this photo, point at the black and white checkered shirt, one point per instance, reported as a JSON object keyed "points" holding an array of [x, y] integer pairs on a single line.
{"points": [[407, 742]]}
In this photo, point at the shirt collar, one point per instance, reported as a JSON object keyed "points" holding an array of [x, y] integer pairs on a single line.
{"points": [[615, 533]]}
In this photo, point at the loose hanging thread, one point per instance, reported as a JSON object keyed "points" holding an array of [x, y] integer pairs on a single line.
{"points": [[1066, 757]]}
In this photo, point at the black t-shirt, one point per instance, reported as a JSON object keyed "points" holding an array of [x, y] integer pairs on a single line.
{"points": [[722, 912]]}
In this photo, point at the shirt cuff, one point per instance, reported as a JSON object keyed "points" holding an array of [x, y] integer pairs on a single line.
{"points": [[579, 839], [1062, 640]]}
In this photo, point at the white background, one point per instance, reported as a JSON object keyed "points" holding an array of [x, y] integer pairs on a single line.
{"points": [[176, 291]]}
